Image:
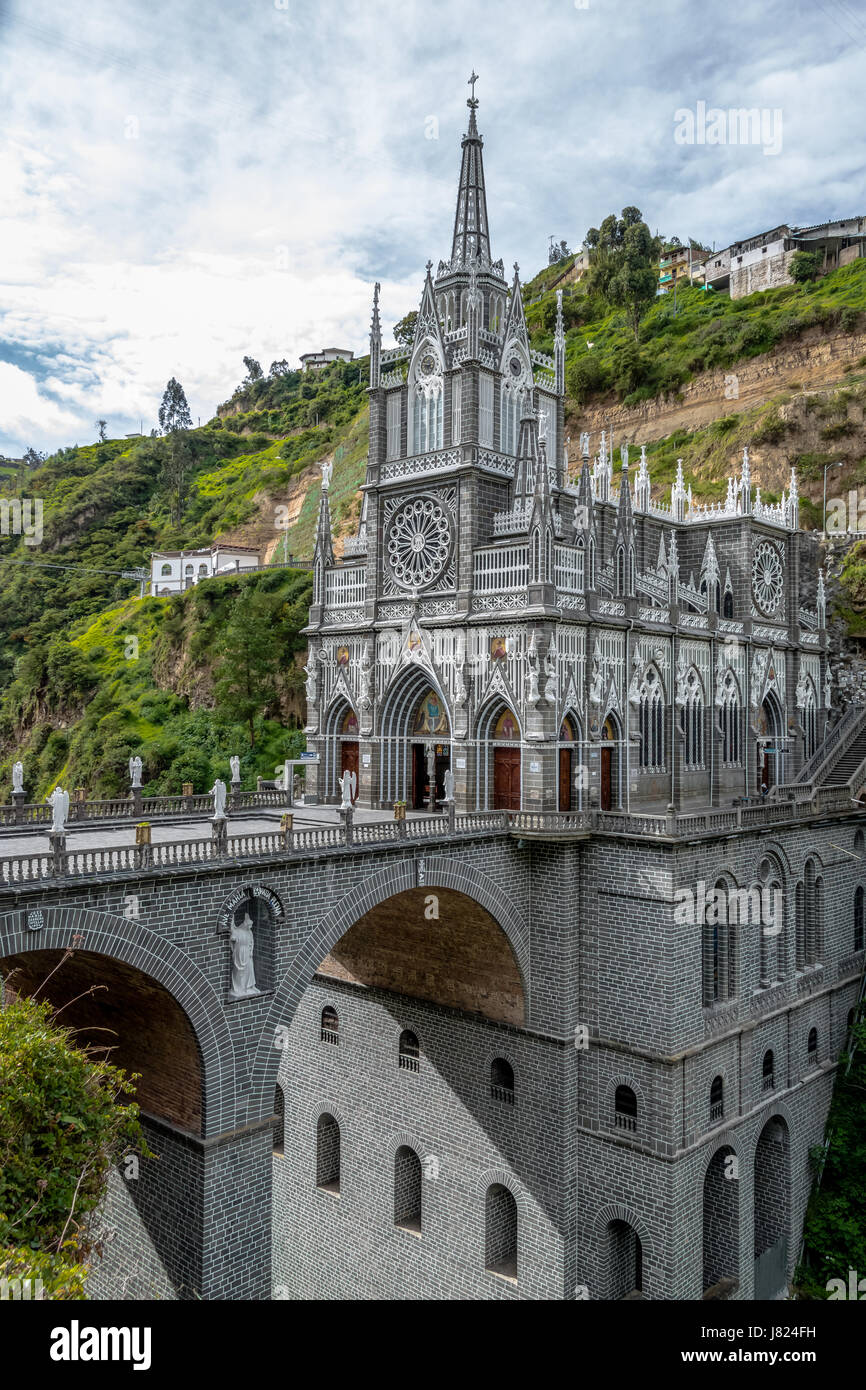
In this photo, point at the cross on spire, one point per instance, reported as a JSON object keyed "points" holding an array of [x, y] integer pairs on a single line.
{"points": [[473, 100]]}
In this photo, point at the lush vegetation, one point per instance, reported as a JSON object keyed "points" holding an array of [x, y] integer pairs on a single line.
{"points": [[835, 1230], [709, 330], [63, 1124]]}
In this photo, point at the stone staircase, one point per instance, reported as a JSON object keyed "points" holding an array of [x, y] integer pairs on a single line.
{"points": [[841, 758]]}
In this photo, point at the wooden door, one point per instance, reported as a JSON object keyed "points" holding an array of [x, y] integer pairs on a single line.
{"points": [[565, 779], [506, 779], [349, 761], [606, 778]]}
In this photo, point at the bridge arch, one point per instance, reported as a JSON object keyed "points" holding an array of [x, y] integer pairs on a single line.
{"points": [[423, 874], [125, 940]]}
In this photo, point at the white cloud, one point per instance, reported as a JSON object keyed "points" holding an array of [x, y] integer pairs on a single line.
{"points": [[26, 414]]}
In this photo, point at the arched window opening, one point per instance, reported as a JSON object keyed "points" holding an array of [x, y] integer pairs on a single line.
{"points": [[858, 919], [328, 1154], [692, 724], [502, 1081], [728, 605], [812, 1046], [409, 1051], [651, 716], [407, 1189], [500, 1232], [165, 571], [717, 1099], [768, 1073], [279, 1145], [729, 720], [625, 1108], [330, 1026]]}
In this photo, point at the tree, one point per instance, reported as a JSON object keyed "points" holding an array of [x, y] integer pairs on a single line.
{"points": [[101, 427], [249, 659], [61, 1129], [32, 457], [280, 368], [174, 420], [254, 371], [404, 331], [805, 266], [622, 266]]}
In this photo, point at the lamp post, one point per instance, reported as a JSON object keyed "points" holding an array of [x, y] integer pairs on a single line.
{"points": [[826, 466]]}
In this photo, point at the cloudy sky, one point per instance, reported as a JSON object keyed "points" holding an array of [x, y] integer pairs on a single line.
{"points": [[181, 184]]}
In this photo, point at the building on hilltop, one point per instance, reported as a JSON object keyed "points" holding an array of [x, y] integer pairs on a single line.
{"points": [[763, 262], [314, 361]]}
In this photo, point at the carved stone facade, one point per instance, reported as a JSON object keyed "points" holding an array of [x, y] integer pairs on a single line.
{"points": [[584, 644]]}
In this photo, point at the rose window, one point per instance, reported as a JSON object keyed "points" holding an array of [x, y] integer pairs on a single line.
{"points": [[419, 543], [767, 577]]}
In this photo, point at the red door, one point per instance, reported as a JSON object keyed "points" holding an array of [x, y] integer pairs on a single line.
{"points": [[349, 761], [565, 779], [606, 778], [506, 779]]}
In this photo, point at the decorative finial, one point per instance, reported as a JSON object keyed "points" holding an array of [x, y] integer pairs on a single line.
{"points": [[429, 266], [473, 100], [516, 269]]}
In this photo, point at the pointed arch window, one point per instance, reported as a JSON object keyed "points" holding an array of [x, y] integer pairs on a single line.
{"points": [[651, 717], [858, 918], [456, 409], [509, 418], [729, 721], [717, 1100], [809, 717], [692, 723], [485, 410], [728, 605]]}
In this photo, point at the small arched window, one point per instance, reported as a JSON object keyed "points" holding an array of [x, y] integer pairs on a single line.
{"points": [[409, 1051], [728, 605], [279, 1120], [500, 1231], [717, 1099], [768, 1074], [502, 1080], [328, 1154], [651, 723], [812, 1045], [858, 919], [188, 569], [165, 571], [330, 1029], [407, 1189], [202, 569], [625, 1108]]}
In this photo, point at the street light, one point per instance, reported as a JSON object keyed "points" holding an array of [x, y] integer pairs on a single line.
{"points": [[826, 466]]}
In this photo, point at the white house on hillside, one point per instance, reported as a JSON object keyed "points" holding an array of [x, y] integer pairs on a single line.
{"points": [[172, 571]]}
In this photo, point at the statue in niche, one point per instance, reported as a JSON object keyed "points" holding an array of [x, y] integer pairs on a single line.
{"points": [[18, 777], [243, 970], [448, 780], [311, 670], [59, 803]]}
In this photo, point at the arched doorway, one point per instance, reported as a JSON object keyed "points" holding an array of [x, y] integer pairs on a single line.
{"points": [[721, 1220], [609, 764], [624, 1260], [416, 743], [772, 1201], [567, 762], [771, 743], [341, 746], [503, 734]]}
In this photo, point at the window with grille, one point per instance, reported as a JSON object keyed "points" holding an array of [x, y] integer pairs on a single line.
{"points": [[625, 1108], [717, 1099], [485, 410], [393, 439], [330, 1026], [409, 1051], [502, 1081]]}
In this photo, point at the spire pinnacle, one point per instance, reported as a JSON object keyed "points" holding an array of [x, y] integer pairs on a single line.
{"points": [[471, 232]]}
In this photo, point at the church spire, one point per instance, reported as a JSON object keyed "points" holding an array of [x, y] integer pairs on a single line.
{"points": [[471, 235]]}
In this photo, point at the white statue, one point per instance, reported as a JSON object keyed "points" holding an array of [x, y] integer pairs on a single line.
{"points": [[243, 971], [135, 769], [18, 777], [311, 670], [348, 785], [448, 779], [235, 765], [828, 688], [596, 685], [327, 470], [218, 792], [59, 803]]}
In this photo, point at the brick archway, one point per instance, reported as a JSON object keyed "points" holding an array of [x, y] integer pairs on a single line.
{"points": [[426, 873], [121, 939]]}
